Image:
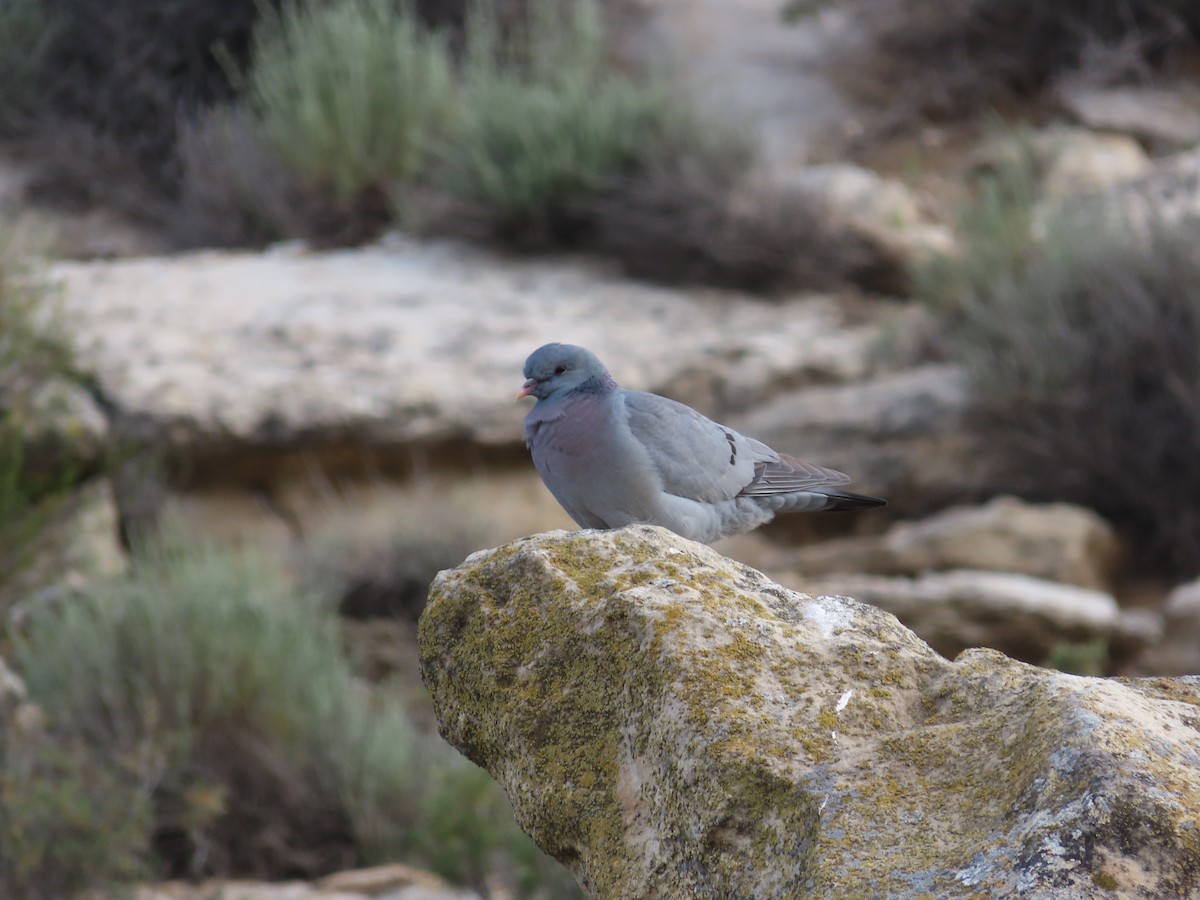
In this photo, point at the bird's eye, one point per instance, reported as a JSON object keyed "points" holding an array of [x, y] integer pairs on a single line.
{"points": [[559, 370]]}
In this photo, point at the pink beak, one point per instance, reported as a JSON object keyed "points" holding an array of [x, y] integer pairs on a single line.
{"points": [[527, 388]]}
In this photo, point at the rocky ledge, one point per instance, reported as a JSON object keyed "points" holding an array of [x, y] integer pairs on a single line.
{"points": [[669, 722]]}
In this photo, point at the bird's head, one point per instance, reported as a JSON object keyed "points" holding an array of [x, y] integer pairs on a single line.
{"points": [[559, 369]]}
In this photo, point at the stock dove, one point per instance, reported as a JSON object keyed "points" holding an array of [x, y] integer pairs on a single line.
{"points": [[615, 457]]}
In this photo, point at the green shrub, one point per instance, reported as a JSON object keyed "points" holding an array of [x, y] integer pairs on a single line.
{"points": [[69, 820], [545, 121], [205, 669], [349, 95], [32, 349], [222, 690], [1082, 350], [1079, 657], [32, 345]]}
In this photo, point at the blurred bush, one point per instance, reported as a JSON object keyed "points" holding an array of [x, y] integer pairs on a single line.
{"points": [[350, 96], [234, 190], [219, 692], [69, 820], [949, 59], [545, 119], [247, 122], [702, 219], [558, 149], [32, 350], [1080, 332]]}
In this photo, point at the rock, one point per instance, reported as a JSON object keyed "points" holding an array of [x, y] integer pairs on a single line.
{"points": [[1171, 191], [12, 691], [669, 723], [389, 882], [1178, 652], [1055, 541], [884, 208], [18, 716], [1020, 616], [902, 436], [1079, 161], [240, 890], [1160, 116], [394, 881], [861, 194], [69, 542], [408, 342], [1169, 194], [64, 423]]}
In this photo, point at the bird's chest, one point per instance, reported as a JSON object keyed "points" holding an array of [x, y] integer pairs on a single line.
{"points": [[571, 441]]}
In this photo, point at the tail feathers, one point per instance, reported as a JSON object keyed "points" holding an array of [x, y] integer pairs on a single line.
{"points": [[821, 499], [845, 501]]}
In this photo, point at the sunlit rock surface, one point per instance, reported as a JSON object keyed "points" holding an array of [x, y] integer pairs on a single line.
{"points": [[670, 723]]}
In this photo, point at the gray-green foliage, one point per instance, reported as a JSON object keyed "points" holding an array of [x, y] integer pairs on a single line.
{"points": [[545, 119], [1080, 332], [217, 689], [196, 643], [32, 349], [351, 94], [69, 820], [1079, 657]]}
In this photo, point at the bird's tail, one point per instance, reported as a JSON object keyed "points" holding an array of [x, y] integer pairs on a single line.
{"points": [[845, 501]]}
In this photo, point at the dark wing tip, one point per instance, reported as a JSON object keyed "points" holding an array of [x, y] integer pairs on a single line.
{"points": [[845, 501]]}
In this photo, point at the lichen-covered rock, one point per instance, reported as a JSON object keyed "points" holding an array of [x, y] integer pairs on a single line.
{"points": [[669, 723]]}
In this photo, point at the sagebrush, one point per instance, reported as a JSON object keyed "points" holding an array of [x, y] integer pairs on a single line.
{"points": [[219, 690], [33, 350], [1080, 332], [350, 95], [545, 120]]}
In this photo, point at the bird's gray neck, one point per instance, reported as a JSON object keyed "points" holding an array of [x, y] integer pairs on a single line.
{"points": [[597, 384]]}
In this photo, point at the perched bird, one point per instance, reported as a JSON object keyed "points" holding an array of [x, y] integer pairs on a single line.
{"points": [[615, 457]]}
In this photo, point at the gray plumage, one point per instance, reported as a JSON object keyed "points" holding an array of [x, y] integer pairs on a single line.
{"points": [[615, 457]]}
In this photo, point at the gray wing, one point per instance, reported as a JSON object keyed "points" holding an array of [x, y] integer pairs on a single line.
{"points": [[703, 460], [694, 456], [786, 474]]}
